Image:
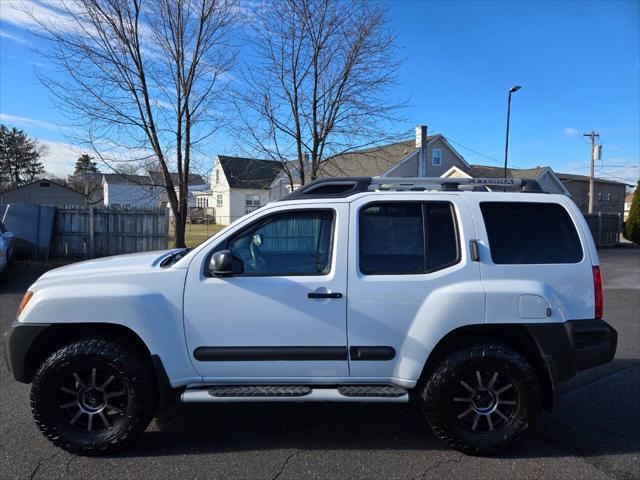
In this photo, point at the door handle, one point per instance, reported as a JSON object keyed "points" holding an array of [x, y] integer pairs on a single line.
{"points": [[475, 250], [324, 295]]}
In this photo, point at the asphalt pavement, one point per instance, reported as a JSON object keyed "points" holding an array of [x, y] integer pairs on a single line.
{"points": [[593, 434]]}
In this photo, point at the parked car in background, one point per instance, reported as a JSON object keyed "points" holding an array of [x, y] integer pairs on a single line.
{"points": [[6, 250]]}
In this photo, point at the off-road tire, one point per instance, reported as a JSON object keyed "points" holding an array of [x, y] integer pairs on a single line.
{"points": [[442, 413], [131, 374]]}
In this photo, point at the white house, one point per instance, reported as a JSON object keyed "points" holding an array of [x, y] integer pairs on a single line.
{"points": [[145, 191], [239, 185], [131, 190], [195, 185]]}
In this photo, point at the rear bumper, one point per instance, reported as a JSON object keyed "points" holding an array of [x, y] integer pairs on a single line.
{"points": [[575, 345]]}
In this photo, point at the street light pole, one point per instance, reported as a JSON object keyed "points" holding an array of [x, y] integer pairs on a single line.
{"points": [[506, 145]]}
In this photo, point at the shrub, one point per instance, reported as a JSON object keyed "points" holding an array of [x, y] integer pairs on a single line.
{"points": [[632, 227]]}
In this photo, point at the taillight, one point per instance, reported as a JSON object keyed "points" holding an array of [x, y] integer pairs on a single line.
{"points": [[23, 303], [597, 292]]}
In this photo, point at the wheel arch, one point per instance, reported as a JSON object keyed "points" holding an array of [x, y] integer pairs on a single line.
{"points": [[55, 336], [515, 336]]}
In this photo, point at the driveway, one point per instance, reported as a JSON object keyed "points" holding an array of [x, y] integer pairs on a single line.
{"points": [[593, 434]]}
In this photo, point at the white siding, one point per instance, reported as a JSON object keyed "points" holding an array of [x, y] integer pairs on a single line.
{"points": [[141, 196], [549, 185]]}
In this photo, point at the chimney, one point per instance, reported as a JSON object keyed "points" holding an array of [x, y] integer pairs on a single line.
{"points": [[421, 143], [421, 136]]}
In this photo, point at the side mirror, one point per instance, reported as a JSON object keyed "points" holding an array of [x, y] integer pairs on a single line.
{"points": [[224, 263]]}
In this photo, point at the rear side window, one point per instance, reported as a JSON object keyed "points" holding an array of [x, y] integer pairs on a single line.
{"points": [[407, 238], [530, 233]]}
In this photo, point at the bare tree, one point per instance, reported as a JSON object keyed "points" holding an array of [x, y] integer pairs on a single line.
{"points": [[144, 80], [318, 82]]}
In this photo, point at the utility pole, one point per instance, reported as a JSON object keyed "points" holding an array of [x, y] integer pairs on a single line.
{"points": [[593, 136]]}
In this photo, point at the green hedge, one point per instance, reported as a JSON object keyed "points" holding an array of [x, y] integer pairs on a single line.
{"points": [[632, 227]]}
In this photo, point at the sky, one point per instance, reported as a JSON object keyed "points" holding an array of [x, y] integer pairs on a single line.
{"points": [[578, 64]]}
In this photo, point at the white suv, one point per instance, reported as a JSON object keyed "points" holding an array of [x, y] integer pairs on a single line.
{"points": [[472, 302]]}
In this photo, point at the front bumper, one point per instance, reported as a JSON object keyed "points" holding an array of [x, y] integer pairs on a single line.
{"points": [[574, 345], [18, 340]]}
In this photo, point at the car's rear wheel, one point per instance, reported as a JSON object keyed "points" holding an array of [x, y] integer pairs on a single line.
{"points": [[93, 396], [481, 398]]}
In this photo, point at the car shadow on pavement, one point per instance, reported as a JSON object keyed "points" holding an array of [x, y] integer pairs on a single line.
{"points": [[578, 427]]}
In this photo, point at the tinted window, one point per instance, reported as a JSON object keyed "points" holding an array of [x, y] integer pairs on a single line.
{"points": [[526, 233], [392, 238], [442, 242], [286, 244], [405, 238]]}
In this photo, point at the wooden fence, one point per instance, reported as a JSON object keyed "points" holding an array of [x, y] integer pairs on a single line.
{"points": [[102, 231]]}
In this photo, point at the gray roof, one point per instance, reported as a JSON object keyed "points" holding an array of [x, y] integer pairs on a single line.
{"points": [[153, 178], [40, 180], [250, 173], [370, 162], [123, 178], [569, 177], [158, 179], [486, 171]]}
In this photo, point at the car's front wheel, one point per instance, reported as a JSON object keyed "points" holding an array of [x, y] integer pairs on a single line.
{"points": [[481, 398], [93, 396]]}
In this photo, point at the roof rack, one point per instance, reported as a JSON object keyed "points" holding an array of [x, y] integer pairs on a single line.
{"points": [[341, 187]]}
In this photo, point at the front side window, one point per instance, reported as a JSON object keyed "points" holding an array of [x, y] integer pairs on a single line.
{"points": [[407, 238], [436, 157], [530, 233], [292, 243]]}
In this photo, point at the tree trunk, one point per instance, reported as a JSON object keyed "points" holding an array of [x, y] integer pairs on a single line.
{"points": [[180, 223]]}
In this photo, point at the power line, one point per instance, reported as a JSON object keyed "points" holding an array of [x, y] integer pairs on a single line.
{"points": [[499, 162]]}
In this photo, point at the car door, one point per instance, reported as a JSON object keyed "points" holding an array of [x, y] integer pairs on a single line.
{"points": [[411, 280], [285, 316]]}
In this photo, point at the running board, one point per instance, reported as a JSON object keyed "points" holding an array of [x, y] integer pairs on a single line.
{"points": [[295, 393]]}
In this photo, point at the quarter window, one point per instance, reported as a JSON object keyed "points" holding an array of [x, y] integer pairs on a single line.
{"points": [[530, 233], [407, 238], [292, 243]]}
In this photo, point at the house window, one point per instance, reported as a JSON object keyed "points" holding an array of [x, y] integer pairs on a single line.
{"points": [[436, 157], [599, 196], [217, 177], [219, 200], [608, 197], [201, 202], [251, 203]]}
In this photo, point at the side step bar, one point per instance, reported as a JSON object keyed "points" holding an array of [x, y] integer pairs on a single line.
{"points": [[295, 393]]}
